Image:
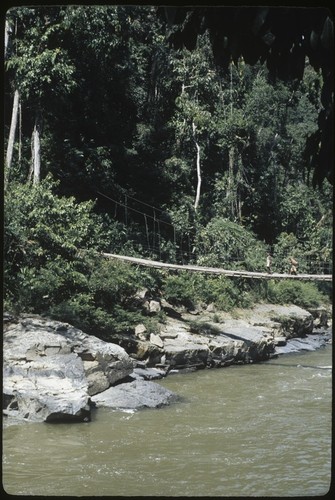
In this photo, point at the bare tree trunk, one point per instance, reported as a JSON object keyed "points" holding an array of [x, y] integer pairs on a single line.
{"points": [[231, 186], [20, 134], [12, 131], [36, 152], [197, 197], [231, 89], [234, 183], [7, 32]]}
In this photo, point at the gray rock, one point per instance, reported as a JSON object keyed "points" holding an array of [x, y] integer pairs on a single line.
{"points": [[251, 336], [148, 373], [140, 329], [321, 317], [211, 308], [294, 321], [135, 395], [310, 343], [50, 369], [140, 294], [215, 344], [154, 306], [280, 341], [156, 340]]}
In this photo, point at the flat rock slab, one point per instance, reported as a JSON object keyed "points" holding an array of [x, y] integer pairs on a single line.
{"points": [[135, 395], [310, 343], [148, 373]]}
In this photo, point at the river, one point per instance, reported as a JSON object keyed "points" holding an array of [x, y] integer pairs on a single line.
{"points": [[251, 430]]}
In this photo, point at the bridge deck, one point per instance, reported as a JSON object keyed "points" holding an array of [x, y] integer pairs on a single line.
{"points": [[217, 270]]}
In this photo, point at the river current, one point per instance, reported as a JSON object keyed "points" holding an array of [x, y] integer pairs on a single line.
{"points": [[251, 430]]}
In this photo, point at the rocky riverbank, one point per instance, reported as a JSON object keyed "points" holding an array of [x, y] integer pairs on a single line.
{"points": [[55, 372]]}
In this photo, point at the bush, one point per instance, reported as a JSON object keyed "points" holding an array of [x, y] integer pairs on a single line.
{"points": [[188, 289], [295, 292], [81, 312], [42, 236], [180, 289]]}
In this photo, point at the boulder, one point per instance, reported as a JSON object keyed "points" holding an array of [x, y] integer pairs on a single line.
{"points": [[154, 306], [50, 369], [321, 317], [135, 395], [148, 373], [294, 321], [141, 332], [310, 343], [156, 340], [214, 344]]}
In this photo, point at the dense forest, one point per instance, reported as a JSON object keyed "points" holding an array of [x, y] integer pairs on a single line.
{"points": [[115, 141]]}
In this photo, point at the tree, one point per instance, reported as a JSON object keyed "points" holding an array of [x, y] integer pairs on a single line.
{"points": [[192, 120], [226, 244], [42, 235], [42, 70], [280, 36], [15, 109], [12, 132]]}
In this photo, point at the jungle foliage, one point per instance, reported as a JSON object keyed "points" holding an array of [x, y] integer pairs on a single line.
{"points": [[116, 135]]}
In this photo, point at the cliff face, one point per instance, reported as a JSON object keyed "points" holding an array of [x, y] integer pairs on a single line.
{"points": [[53, 371]]}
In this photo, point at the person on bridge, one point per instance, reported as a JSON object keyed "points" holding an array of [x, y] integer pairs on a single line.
{"points": [[294, 265], [268, 262]]}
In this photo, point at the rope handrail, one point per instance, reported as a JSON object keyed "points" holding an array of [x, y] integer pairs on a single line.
{"points": [[134, 209], [217, 270]]}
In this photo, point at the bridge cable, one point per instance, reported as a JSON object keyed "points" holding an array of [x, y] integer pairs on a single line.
{"points": [[147, 230], [134, 210]]}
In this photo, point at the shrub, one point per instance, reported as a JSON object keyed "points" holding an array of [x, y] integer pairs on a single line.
{"points": [[179, 289], [43, 234], [189, 288], [295, 292]]}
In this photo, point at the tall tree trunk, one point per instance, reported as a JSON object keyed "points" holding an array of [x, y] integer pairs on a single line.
{"points": [[20, 134], [231, 89], [234, 182], [231, 179], [8, 30], [12, 131], [197, 197], [36, 152]]}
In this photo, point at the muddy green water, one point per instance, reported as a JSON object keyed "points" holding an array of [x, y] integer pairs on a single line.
{"points": [[254, 430]]}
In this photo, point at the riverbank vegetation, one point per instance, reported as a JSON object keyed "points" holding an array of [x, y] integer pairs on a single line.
{"points": [[118, 143]]}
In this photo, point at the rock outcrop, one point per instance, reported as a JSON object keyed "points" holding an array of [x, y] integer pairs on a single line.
{"points": [[212, 339], [135, 395], [51, 369]]}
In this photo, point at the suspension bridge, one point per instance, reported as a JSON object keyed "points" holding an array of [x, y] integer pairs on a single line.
{"points": [[157, 222], [217, 270]]}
